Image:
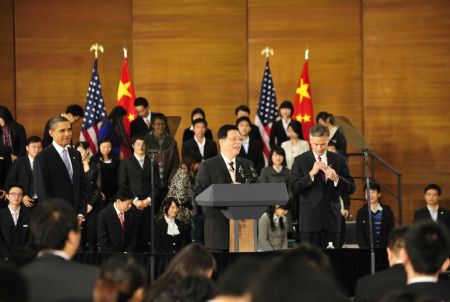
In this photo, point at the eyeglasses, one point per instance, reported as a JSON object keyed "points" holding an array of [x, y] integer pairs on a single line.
{"points": [[16, 194], [235, 139]]}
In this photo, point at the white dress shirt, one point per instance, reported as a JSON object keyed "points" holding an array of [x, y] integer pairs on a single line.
{"points": [[14, 214], [172, 228], [428, 279], [60, 149], [285, 125], [232, 173], [201, 145], [245, 144], [433, 213]]}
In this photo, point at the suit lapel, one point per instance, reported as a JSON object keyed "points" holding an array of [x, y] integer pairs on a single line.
{"points": [[75, 164], [59, 161], [225, 171]]}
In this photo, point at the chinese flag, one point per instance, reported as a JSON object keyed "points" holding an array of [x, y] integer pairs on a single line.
{"points": [[303, 107], [125, 98]]}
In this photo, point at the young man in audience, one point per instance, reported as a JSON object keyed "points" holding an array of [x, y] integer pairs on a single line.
{"points": [[73, 114], [22, 171], [251, 148], [373, 287], [243, 110], [199, 145], [118, 225], [433, 211], [426, 254], [14, 221], [142, 124]]}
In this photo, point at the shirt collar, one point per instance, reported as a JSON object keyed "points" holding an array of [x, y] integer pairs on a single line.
{"points": [[116, 209], [228, 160], [423, 279], [431, 210], [13, 212], [379, 208], [58, 253], [30, 159], [323, 157], [200, 143], [138, 157], [58, 148], [168, 220], [278, 170]]}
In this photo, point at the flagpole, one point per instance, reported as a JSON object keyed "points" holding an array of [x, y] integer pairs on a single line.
{"points": [[307, 54], [96, 48]]}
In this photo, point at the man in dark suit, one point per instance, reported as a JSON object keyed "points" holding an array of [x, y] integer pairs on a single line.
{"points": [[433, 211], [320, 177], [58, 169], [225, 168], [14, 221], [5, 165], [142, 124], [373, 287], [199, 145], [22, 171], [117, 225], [73, 114], [243, 110], [427, 246], [251, 148], [278, 133], [52, 276]]}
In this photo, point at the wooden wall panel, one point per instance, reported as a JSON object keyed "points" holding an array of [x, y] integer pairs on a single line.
{"points": [[52, 54], [406, 91], [191, 54], [7, 83]]}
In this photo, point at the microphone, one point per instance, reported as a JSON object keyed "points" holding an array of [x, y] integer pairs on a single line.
{"points": [[153, 151]]}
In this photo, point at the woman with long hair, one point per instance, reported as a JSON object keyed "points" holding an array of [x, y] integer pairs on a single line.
{"points": [[12, 134], [114, 129], [295, 145], [272, 229]]}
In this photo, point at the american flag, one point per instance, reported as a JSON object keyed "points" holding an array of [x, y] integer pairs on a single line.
{"points": [[94, 112], [267, 109]]}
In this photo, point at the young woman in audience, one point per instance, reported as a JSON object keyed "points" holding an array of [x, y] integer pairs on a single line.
{"points": [[114, 129], [294, 146], [336, 134], [170, 233], [189, 132], [272, 229], [12, 134], [193, 259]]}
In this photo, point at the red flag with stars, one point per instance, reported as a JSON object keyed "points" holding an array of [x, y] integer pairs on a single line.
{"points": [[125, 98], [303, 107]]}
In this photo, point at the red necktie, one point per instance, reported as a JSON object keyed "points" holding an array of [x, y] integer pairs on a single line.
{"points": [[322, 174], [122, 222]]}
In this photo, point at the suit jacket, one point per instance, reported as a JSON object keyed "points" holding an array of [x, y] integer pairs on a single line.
{"points": [[340, 141], [111, 237], [21, 173], [12, 236], [362, 227], [139, 127], [5, 164], [215, 171], [52, 278], [19, 140], [424, 214], [190, 147], [255, 134], [439, 290], [188, 134], [319, 200], [51, 179], [278, 135], [254, 154], [373, 287], [165, 243], [269, 175]]}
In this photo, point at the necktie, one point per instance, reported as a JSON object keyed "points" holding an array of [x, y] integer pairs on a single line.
{"points": [[121, 220], [67, 163], [15, 217], [141, 162], [232, 171], [321, 173], [231, 164]]}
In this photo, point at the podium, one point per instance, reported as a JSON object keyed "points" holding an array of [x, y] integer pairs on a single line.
{"points": [[243, 204]]}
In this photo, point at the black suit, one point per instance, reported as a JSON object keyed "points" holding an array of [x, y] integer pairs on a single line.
{"points": [[111, 237], [255, 134], [362, 227], [165, 243], [13, 236], [439, 290], [52, 180], [139, 127], [52, 278], [278, 134], [373, 287], [215, 171], [5, 164], [424, 214], [190, 147], [254, 154], [21, 173], [320, 210]]}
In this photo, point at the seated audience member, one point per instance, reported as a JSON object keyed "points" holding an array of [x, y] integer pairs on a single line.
{"points": [[433, 211], [195, 288], [426, 254], [279, 131], [199, 145], [73, 114], [142, 124], [373, 287], [243, 110], [121, 279], [12, 134], [309, 255], [193, 259], [170, 233], [114, 129], [14, 287], [251, 148], [55, 232], [272, 229], [294, 146], [189, 132], [22, 171], [5, 165], [14, 221], [382, 220], [118, 225], [167, 152], [337, 136]]}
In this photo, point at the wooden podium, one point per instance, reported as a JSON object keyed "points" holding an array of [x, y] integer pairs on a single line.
{"points": [[243, 204]]}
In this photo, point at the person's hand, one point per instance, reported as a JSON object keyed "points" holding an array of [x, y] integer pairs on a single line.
{"points": [[331, 174], [345, 213], [2, 193], [138, 204], [28, 201], [318, 165], [89, 208], [80, 219], [146, 203]]}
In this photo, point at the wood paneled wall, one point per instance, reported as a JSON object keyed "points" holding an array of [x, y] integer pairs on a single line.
{"points": [[7, 83]]}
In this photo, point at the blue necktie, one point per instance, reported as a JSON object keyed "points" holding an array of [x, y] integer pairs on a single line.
{"points": [[67, 164]]}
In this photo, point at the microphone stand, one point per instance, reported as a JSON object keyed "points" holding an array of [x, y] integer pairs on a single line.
{"points": [[369, 211], [151, 154]]}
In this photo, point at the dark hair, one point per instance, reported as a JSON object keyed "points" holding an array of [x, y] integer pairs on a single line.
{"points": [[271, 211], [319, 130], [373, 185], [197, 110], [124, 194], [428, 246], [195, 288], [309, 255], [159, 116], [189, 159], [116, 115], [243, 119], [75, 110], [141, 101], [15, 185], [6, 115], [396, 239], [238, 279], [33, 139], [297, 128], [167, 203], [433, 187], [55, 120], [51, 223], [241, 108], [122, 276], [199, 120], [223, 131], [331, 119], [83, 145], [287, 105], [322, 115], [137, 137], [14, 286], [192, 259], [332, 144], [280, 151]]}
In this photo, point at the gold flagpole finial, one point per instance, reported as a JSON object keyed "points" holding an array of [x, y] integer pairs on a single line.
{"points": [[306, 54], [96, 48], [125, 52], [267, 51]]}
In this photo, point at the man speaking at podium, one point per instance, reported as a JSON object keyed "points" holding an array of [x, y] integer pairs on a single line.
{"points": [[225, 168]]}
